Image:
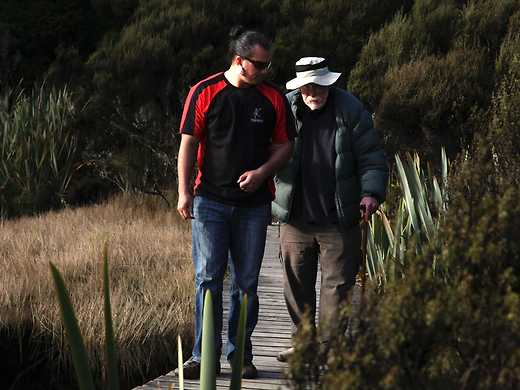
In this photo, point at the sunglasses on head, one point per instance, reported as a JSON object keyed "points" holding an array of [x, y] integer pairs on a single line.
{"points": [[260, 65]]}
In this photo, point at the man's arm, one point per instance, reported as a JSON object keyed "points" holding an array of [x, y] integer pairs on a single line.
{"points": [[280, 153], [372, 166], [185, 162]]}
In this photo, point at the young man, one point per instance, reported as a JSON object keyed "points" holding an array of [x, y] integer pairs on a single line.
{"points": [[338, 166], [235, 124]]}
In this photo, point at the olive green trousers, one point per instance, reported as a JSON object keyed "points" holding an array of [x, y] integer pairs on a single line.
{"points": [[337, 252]]}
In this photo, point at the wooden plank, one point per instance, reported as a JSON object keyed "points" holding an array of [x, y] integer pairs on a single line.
{"points": [[272, 333]]}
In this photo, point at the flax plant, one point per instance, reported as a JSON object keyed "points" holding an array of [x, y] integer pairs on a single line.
{"points": [[416, 220], [238, 357], [38, 148], [208, 378], [208, 373], [75, 339]]}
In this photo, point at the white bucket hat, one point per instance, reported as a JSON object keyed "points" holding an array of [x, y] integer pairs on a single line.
{"points": [[312, 70]]}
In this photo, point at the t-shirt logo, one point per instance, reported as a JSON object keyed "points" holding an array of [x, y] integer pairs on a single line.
{"points": [[257, 116]]}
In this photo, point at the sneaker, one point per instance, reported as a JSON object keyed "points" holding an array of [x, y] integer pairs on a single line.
{"points": [[285, 355], [249, 371], [191, 369]]}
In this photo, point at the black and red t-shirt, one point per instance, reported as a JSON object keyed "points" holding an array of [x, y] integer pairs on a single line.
{"points": [[235, 128]]}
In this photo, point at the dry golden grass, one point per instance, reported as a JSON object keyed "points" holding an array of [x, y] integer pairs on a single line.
{"points": [[151, 276]]}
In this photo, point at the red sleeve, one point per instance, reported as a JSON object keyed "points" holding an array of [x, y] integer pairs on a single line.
{"points": [[192, 117], [280, 128]]}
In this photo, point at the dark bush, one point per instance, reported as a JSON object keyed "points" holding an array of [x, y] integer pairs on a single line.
{"points": [[301, 31], [393, 45], [504, 114], [484, 23], [454, 322], [429, 103], [420, 60], [428, 29], [37, 29]]}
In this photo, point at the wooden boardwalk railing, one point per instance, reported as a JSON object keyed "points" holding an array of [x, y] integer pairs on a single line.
{"points": [[272, 333]]}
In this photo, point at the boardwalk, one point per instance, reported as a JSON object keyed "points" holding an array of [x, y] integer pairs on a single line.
{"points": [[271, 335]]}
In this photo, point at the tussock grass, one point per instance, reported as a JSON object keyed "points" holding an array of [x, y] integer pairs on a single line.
{"points": [[151, 282]]}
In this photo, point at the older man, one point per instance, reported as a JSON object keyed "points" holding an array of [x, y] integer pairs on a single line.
{"points": [[338, 166]]}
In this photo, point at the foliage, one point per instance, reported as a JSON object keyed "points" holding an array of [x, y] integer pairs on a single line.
{"points": [[429, 102], [128, 151], [39, 153], [180, 363], [54, 38], [427, 30], [485, 23], [452, 329], [208, 379], [504, 117], [75, 339], [238, 358], [35, 29], [208, 373], [80, 357], [429, 74], [339, 40], [415, 220]]}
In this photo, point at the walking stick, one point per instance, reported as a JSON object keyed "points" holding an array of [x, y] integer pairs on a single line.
{"points": [[361, 277]]}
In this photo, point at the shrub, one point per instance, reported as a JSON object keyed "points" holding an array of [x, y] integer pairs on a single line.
{"points": [[428, 29], [430, 102], [485, 23], [456, 329], [38, 151], [421, 58], [393, 45], [436, 22], [414, 212], [34, 29], [504, 117], [301, 32]]}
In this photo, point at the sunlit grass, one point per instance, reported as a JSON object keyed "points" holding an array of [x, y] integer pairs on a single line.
{"points": [[151, 280]]}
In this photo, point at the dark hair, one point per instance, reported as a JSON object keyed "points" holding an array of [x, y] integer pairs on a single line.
{"points": [[243, 41]]}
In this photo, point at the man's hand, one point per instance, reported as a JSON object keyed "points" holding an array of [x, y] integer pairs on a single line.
{"points": [[184, 205], [250, 181], [185, 161], [369, 205]]}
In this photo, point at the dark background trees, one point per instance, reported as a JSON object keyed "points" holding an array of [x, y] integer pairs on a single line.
{"points": [[435, 73], [430, 70]]}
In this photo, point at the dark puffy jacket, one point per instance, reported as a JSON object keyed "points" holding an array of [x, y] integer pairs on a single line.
{"points": [[361, 167]]}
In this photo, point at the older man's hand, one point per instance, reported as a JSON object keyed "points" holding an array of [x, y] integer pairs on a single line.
{"points": [[369, 205]]}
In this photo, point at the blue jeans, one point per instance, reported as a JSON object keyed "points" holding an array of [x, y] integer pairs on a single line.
{"points": [[219, 232]]}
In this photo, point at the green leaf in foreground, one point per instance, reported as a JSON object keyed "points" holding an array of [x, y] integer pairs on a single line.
{"points": [[74, 338], [208, 375], [238, 356]]}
